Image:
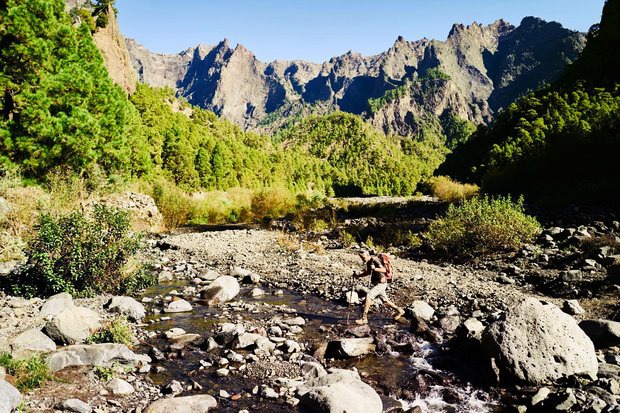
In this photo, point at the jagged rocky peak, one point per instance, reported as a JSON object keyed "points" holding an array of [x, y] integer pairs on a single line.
{"points": [[476, 58]]}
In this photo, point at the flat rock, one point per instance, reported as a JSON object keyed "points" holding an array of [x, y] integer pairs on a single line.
{"points": [[603, 333], [190, 404], [178, 306], [95, 355], [538, 343], [56, 304], [350, 347], [10, 397], [76, 405], [31, 342], [339, 392], [572, 307], [128, 307], [72, 326]]}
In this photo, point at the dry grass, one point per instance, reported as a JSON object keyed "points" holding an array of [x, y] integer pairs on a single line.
{"points": [[451, 191], [272, 203]]}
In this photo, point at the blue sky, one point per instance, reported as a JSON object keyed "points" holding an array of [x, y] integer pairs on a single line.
{"points": [[316, 30]]}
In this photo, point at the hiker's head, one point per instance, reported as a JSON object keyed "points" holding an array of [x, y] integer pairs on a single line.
{"points": [[364, 255]]}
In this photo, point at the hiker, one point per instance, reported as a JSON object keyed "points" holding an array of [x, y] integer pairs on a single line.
{"points": [[377, 271]]}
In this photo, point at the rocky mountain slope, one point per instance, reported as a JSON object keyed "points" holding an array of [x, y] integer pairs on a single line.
{"points": [[487, 67]]}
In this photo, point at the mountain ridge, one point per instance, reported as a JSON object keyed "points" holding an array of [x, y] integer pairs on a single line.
{"points": [[479, 60]]}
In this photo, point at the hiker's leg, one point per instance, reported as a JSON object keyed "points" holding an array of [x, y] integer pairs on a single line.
{"points": [[367, 305], [399, 311]]}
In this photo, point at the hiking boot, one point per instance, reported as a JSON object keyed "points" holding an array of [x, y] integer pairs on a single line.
{"points": [[399, 314], [362, 321]]}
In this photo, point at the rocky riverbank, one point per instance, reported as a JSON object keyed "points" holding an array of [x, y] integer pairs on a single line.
{"points": [[259, 320]]}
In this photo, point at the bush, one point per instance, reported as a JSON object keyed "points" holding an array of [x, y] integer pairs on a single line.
{"points": [[29, 373], [448, 190], [272, 203], [114, 331], [80, 255], [483, 226], [174, 204]]}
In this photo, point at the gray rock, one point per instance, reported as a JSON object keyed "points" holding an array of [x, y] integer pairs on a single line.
{"points": [[72, 326], [606, 370], [76, 405], [572, 307], [339, 392], [257, 292], [119, 387], [178, 306], [471, 328], [246, 340], [191, 404], [450, 323], [10, 397], [312, 370], [128, 307], [422, 309], [209, 275], [538, 343], [603, 333], [95, 355], [565, 402], [251, 279], [540, 395], [31, 342], [56, 304], [165, 276], [350, 347], [223, 289]]}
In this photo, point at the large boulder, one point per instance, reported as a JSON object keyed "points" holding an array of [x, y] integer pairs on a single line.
{"points": [[95, 355], [56, 304], [190, 404], [10, 397], [339, 392], [128, 307], [73, 326], [31, 342], [223, 289], [539, 343], [603, 333]]}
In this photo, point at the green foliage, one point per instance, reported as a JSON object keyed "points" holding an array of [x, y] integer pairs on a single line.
{"points": [[434, 73], [346, 238], [447, 190], [456, 130], [80, 255], [104, 373], [116, 330], [481, 226], [87, 18], [374, 105], [362, 158], [560, 144], [29, 373], [59, 105]]}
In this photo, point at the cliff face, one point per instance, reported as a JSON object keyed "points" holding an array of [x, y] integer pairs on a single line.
{"points": [[111, 43], [487, 67]]}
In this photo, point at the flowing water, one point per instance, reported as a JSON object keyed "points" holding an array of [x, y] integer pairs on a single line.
{"points": [[410, 379]]}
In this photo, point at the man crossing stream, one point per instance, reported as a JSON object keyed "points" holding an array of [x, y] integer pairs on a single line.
{"points": [[375, 267]]}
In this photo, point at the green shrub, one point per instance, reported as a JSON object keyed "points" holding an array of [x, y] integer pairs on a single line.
{"points": [[116, 330], [29, 373], [448, 190], [104, 373], [483, 226], [174, 204], [346, 238], [80, 254], [272, 203]]}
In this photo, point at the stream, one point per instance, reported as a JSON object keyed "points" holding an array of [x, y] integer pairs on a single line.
{"points": [[404, 379]]}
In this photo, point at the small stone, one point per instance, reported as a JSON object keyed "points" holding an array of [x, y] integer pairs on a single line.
{"points": [[572, 307], [77, 406], [540, 395], [257, 292], [178, 306], [119, 387], [223, 372], [224, 394]]}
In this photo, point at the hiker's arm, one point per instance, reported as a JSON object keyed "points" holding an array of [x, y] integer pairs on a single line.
{"points": [[360, 274]]}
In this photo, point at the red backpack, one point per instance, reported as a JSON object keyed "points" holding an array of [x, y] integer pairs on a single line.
{"points": [[389, 270]]}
